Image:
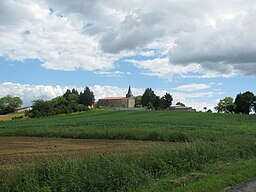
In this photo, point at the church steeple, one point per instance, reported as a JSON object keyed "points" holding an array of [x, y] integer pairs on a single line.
{"points": [[129, 94]]}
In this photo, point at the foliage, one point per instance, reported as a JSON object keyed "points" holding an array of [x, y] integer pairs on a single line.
{"points": [[8, 104], [244, 102], [137, 101], [151, 100], [148, 98], [87, 97], [166, 101], [70, 102], [226, 105]]}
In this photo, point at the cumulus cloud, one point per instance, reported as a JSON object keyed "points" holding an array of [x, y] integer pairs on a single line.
{"points": [[212, 38]]}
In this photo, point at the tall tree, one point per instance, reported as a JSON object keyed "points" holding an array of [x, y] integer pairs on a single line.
{"points": [[166, 100], [148, 98], [157, 103], [8, 104], [87, 97], [226, 105], [244, 102]]}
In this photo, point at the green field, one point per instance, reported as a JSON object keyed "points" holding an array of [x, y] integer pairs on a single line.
{"points": [[220, 151]]}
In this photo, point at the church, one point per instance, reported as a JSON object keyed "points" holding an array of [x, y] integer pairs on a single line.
{"points": [[118, 102]]}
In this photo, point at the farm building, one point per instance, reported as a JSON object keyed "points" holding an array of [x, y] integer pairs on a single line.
{"points": [[118, 102], [180, 108], [23, 109]]}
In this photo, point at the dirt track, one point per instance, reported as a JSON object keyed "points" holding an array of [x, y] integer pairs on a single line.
{"points": [[24, 150]]}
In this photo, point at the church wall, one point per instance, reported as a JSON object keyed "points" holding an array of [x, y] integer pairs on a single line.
{"points": [[131, 102], [113, 103], [123, 103]]}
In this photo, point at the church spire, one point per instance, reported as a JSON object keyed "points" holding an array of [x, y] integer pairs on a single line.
{"points": [[129, 94]]}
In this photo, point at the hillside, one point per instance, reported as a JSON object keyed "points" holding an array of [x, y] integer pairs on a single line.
{"points": [[219, 150]]}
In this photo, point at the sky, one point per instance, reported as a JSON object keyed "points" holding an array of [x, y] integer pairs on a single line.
{"points": [[199, 51]]}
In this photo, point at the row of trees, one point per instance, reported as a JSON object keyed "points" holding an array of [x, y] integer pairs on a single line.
{"points": [[69, 102], [150, 100], [243, 103], [8, 104]]}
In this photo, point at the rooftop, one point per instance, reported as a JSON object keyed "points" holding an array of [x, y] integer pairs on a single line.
{"points": [[113, 98]]}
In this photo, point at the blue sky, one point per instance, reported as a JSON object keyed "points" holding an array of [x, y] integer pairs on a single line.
{"points": [[199, 52]]}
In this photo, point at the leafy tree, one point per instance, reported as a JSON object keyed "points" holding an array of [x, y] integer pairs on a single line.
{"points": [[254, 104], [8, 104], [41, 108], [67, 93], [74, 91], [87, 97], [180, 104], [148, 98], [157, 103], [226, 105], [138, 101], [166, 100], [244, 102]]}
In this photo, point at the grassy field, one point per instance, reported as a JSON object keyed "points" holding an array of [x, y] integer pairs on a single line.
{"points": [[219, 146]]}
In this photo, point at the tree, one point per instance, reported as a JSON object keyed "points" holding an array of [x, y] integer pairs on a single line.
{"points": [[41, 108], [244, 102], [137, 101], [180, 104], [87, 97], [148, 98], [157, 103], [166, 100], [226, 105], [8, 104]]}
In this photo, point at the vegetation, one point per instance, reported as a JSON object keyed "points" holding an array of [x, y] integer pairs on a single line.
{"points": [[226, 105], [8, 104], [70, 102], [150, 100], [244, 103]]}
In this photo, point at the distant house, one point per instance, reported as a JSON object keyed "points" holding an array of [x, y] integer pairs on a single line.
{"points": [[180, 108], [118, 102], [23, 109]]}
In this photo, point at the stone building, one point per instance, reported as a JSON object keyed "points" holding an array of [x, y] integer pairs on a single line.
{"points": [[118, 102]]}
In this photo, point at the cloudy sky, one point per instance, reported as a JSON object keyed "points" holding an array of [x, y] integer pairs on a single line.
{"points": [[199, 51]]}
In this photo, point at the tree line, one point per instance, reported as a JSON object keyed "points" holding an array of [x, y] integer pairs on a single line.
{"points": [[244, 103], [150, 100], [71, 101]]}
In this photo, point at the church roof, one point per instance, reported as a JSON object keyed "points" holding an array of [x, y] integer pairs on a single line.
{"points": [[113, 98], [129, 94]]}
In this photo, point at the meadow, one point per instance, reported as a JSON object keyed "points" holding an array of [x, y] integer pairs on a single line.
{"points": [[219, 151]]}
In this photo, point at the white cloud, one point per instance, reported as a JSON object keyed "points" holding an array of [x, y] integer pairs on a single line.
{"points": [[161, 67], [215, 39], [192, 87], [112, 73]]}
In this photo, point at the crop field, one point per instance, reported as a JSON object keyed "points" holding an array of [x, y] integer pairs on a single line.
{"points": [[168, 151]]}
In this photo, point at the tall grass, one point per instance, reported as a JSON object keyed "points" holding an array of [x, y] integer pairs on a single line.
{"points": [[122, 173]]}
